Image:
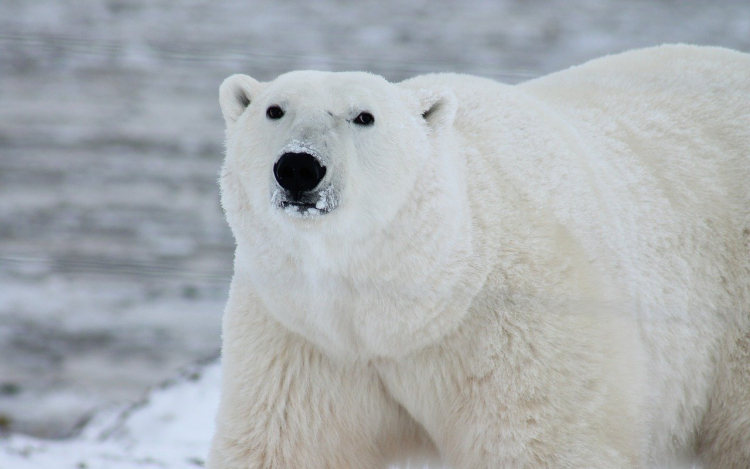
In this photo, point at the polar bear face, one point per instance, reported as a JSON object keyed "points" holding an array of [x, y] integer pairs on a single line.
{"points": [[338, 152], [329, 183]]}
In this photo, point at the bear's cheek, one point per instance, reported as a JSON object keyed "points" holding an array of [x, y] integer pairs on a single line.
{"points": [[251, 159], [393, 165], [243, 185]]}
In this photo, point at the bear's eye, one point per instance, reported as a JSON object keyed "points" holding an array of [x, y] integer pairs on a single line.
{"points": [[275, 112], [364, 118]]}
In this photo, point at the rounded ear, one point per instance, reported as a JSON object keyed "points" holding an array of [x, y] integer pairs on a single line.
{"points": [[235, 95], [438, 105]]}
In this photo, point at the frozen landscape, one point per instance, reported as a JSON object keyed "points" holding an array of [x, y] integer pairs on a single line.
{"points": [[114, 255], [153, 433]]}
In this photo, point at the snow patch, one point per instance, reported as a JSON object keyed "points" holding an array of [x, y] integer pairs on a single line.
{"points": [[327, 200], [298, 146], [171, 428]]}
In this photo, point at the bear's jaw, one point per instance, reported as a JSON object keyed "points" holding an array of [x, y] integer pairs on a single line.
{"points": [[303, 209], [313, 204]]}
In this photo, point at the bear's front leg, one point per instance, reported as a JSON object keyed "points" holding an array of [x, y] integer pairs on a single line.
{"points": [[528, 389], [285, 405]]}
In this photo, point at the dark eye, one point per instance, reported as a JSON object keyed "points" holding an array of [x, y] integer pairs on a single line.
{"points": [[364, 118], [275, 112]]}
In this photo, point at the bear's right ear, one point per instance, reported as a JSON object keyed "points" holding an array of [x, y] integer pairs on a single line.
{"points": [[235, 95], [438, 106]]}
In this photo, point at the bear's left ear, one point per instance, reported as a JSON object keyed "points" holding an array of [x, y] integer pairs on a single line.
{"points": [[438, 106], [235, 95]]}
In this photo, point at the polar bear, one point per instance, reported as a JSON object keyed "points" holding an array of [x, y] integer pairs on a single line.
{"points": [[549, 275]]}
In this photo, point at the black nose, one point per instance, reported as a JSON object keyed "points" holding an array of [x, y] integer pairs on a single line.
{"points": [[298, 172]]}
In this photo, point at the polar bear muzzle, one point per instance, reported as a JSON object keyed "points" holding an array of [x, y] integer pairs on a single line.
{"points": [[299, 175]]}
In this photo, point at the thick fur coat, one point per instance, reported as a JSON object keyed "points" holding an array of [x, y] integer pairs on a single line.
{"points": [[549, 275]]}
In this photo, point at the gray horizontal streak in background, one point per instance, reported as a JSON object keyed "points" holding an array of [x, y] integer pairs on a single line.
{"points": [[114, 256]]}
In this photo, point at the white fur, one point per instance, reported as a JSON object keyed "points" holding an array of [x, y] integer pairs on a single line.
{"points": [[554, 274]]}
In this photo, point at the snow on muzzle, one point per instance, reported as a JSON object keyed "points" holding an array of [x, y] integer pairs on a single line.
{"points": [[301, 190]]}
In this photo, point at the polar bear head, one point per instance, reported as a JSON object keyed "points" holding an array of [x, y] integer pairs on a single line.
{"points": [[330, 179], [336, 151]]}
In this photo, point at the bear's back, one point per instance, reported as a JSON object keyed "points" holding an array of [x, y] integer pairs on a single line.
{"points": [[667, 133], [644, 157], [683, 111]]}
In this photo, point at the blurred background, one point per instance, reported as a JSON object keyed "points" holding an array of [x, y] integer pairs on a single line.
{"points": [[114, 256]]}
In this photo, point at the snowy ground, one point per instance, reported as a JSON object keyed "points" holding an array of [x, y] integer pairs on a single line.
{"points": [[154, 433], [114, 256]]}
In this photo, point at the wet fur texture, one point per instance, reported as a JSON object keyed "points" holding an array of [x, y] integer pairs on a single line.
{"points": [[553, 274]]}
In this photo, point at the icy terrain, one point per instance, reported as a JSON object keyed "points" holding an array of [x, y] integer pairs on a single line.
{"points": [[172, 428], [114, 256]]}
